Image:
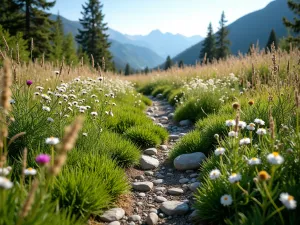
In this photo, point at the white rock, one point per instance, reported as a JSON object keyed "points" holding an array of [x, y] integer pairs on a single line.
{"points": [[163, 147], [158, 181], [185, 122], [148, 163], [113, 214], [150, 151], [142, 186], [114, 223], [149, 173], [194, 186], [135, 218], [175, 191], [172, 208], [152, 219], [189, 161], [159, 189], [160, 199]]}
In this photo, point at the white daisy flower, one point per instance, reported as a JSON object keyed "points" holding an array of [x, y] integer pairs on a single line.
{"points": [[5, 183], [46, 97], [85, 134], [288, 201], [234, 177], [275, 158], [39, 88], [245, 141], [30, 172], [226, 200], [261, 131], [49, 119], [46, 108], [214, 174], [230, 123], [254, 161], [4, 171], [94, 113], [94, 96], [36, 93], [259, 121], [52, 141], [219, 151], [251, 126], [233, 134], [96, 100], [242, 124]]}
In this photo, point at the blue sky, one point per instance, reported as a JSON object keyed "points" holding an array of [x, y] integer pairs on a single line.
{"points": [[187, 17]]}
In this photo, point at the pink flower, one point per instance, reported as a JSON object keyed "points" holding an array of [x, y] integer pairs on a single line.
{"points": [[42, 159], [29, 82]]}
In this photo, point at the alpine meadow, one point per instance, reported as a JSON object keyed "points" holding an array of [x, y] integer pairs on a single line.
{"points": [[149, 112]]}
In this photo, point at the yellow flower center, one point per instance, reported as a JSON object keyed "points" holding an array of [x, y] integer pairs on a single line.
{"points": [[254, 158], [275, 154], [225, 198], [234, 174], [263, 175], [290, 198], [30, 169]]}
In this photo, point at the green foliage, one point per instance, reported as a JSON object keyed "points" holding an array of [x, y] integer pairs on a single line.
{"points": [[222, 42], [57, 50], [70, 50], [175, 95], [146, 100], [272, 40], [194, 109], [143, 137], [127, 70], [159, 90], [295, 25], [208, 50], [168, 63]]}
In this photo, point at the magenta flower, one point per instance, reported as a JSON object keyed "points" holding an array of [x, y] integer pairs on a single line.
{"points": [[29, 82], [42, 159]]}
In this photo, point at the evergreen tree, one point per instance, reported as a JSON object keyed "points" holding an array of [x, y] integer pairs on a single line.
{"points": [[181, 64], [58, 40], [93, 37], [127, 70], [272, 39], [10, 16], [146, 71], [208, 46], [69, 50], [168, 63], [36, 24], [222, 42], [295, 25]]}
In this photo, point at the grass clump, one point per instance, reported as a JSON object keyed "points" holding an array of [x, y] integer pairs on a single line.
{"points": [[159, 90], [174, 96]]}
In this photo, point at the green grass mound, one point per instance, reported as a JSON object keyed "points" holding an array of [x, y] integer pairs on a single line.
{"points": [[174, 96], [159, 90]]}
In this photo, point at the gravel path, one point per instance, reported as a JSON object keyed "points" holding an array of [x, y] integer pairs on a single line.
{"points": [[161, 195]]}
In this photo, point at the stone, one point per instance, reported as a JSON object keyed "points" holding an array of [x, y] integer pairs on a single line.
{"points": [[152, 219], [135, 218], [153, 210], [113, 214], [149, 173], [142, 186], [171, 115], [193, 216], [193, 175], [152, 118], [160, 176], [131, 223], [158, 181], [161, 215], [185, 123], [148, 163], [150, 110], [164, 118], [150, 151], [115, 223], [172, 208], [194, 186], [140, 177], [160, 124], [163, 147], [141, 194], [160, 199], [184, 180], [189, 161], [159, 96], [173, 137], [175, 191], [159, 189]]}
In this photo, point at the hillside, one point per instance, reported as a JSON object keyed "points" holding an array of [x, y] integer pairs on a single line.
{"points": [[253, 27]]}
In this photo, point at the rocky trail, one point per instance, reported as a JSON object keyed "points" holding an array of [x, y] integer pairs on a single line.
{"points": [[161, 193]]}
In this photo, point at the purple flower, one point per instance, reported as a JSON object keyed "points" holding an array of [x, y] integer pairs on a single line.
{"points": [[29, 82], [42, 159]]}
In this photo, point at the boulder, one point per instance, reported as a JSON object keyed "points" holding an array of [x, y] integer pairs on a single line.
{"points": [[142, 186], [113, 214], [148, 163], [172, 208], [189, 161]]}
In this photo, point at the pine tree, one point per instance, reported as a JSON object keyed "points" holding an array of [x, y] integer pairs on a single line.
{"points": [[146, 71], [181, 64], [57, 49], [272, 39], [222, 42], [93, 37], [10, 16], [168, 63], [208, 46], [36, 24], [69, 50], [127, 70], [295, 25]]}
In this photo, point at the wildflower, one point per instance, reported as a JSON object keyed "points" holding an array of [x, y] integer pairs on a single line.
{"points": [[275, 158], [245, 141], [111, 113], [49, 119], [42, 159], [259, 121], [52, 141], [100, 78], [251, 127], [36, 93], [235, 105], [230, 123], [93, 96], [219, 151], [234, 177], [261, 131], [46, 97], [46, 108], [242, 124], [4, 171], [226, 200], [96, 100], [85, 134], [29, 83], [5, 183], [263, 175], [216, 136], [214, 174], [94, 113], [288, 201], [30, 172], [39, 88], [77, 79], [251, 102], [233, 134], [254, 161]]}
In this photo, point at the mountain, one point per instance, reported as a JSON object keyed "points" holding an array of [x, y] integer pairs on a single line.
{"points": [[165, 43], [123, 52], [253, 27]]}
